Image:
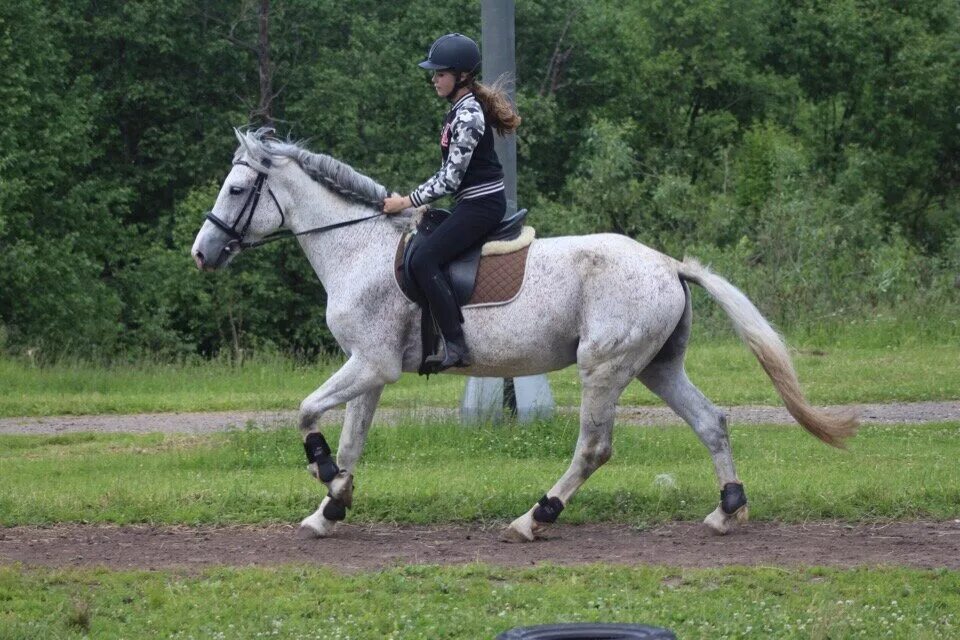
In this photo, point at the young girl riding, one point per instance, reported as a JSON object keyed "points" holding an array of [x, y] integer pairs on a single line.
{"points": [[470, 171]]}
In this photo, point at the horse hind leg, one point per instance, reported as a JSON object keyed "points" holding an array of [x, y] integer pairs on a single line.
{"points": [[602, 387], [666, 377]]}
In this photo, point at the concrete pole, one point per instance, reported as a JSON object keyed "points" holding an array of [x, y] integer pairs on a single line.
{"points": [[498, 47], [528, 397]]}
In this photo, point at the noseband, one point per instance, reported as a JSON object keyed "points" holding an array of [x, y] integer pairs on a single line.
{"points": [[237, 235]]}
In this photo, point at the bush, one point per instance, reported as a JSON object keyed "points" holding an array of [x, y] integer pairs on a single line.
{"points": [[55, 299]]}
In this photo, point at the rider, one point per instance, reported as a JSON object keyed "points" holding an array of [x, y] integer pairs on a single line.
{"points": [[470, 171]]}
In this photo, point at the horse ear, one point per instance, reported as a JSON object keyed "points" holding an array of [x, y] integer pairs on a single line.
{"points": [[239, 135]]}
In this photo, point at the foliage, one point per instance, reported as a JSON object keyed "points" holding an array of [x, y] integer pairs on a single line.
{"points": [[807, 149]]}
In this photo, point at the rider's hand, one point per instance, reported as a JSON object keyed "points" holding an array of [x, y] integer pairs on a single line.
{"points": [[395, 203]]}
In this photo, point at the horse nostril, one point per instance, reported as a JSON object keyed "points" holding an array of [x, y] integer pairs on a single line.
{"points": [[198, 258]]}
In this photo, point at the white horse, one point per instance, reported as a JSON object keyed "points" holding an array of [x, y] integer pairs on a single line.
{"points": [[617, 309]]}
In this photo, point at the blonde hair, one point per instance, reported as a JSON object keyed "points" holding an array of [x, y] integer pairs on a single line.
{"points": [[496, 104]]}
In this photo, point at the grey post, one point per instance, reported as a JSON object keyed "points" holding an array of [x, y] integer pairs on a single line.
{"points": [[484, 398], [499, 56]]}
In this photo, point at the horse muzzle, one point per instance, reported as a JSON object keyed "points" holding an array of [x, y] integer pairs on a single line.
{"points": [[212, 259]]}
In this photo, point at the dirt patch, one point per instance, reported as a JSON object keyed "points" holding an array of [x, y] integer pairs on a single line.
{"points": [[362, 547], [893, 413]]}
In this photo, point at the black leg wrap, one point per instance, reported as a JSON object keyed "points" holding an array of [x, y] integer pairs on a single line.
{"points": [[548, 509], [732, 498], [318, 451], [335, 509]]}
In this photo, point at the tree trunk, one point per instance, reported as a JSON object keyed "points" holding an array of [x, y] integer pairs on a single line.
{"points": [[266, 74]]}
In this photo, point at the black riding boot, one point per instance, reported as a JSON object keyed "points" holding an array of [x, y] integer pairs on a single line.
{"points": [[446, 313]]}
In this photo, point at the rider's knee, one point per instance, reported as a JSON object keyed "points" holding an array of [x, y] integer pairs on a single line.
{"points": [[422, 264]]}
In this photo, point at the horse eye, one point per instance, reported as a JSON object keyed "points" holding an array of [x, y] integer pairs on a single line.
{"points": [[235, 191]]}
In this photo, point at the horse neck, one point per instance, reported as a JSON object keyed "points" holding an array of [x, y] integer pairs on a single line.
{"points": [[346, 256]]}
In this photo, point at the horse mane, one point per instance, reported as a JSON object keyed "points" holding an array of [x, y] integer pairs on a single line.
{"points": [[262, 148]]}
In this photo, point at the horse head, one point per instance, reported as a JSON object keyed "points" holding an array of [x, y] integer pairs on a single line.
{"points": [[325, 194], [247, 209]]}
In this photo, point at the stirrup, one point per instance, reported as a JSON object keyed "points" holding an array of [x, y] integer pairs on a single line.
{"points": [[450, 358]]}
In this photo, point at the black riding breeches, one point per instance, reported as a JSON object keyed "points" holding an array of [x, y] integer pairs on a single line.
{"points": [[470, 221]]}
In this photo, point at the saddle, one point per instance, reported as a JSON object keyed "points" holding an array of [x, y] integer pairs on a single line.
{"points": [[490, 272]]}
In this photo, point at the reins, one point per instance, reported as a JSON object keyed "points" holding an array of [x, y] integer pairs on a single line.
{"points": [[286, 233]]}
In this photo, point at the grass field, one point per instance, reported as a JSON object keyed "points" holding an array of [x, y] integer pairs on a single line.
{"points": [[725, 371], [478, 602], [439, 473], [443, 473]]}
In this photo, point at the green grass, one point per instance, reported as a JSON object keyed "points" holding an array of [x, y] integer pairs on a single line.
{"points": [[725, 371], [443, 473], [477, 602]]}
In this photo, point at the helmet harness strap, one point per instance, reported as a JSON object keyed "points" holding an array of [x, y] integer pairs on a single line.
{"points": [[461, 83]]}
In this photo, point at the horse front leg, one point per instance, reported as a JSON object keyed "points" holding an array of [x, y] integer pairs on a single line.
{"points": [[360, 386], [333, 508]]}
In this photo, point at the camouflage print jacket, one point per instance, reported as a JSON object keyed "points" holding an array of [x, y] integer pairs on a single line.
{"points": [[470, 166]]}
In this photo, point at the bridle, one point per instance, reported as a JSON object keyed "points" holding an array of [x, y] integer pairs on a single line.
{"points": [[235, 231], [238, 232]]}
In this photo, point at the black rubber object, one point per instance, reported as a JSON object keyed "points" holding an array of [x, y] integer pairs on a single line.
{"points": [[335, 510], [318, 451], [315, 446], [548, 510], [732, 497], [327, 469], [588, 631]]}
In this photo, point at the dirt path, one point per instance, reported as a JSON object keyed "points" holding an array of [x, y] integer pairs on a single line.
{"points": [[908, 412], [358, 547]]}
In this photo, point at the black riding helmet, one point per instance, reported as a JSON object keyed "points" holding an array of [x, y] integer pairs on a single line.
{"points": [[455, 52]]}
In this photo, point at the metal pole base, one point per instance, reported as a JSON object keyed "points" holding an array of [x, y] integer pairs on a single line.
{"points": [[483, 400]]}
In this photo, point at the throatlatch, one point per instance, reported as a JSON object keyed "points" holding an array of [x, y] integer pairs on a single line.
{"points": [[548, 509], [318, 451], [732, 498]]}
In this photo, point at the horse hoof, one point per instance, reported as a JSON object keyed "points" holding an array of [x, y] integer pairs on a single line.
{"points": [[743, 514], [520, 530], [315, 526], [718, 522], [305, 532], [512, 535]]}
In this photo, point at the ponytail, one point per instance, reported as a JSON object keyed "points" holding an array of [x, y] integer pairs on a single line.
{"points": [[496, 105]]}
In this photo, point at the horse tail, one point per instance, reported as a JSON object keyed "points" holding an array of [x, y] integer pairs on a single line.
{"points": [[770, 350]]}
